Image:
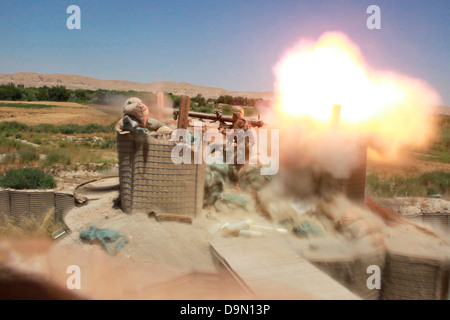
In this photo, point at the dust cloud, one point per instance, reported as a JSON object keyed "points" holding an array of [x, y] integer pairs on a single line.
{"points": [[384, 110]]}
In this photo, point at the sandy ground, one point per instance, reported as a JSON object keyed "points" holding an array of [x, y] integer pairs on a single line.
{"points": [[177, 255], [177, 245], [167, 259], [162, 260]]}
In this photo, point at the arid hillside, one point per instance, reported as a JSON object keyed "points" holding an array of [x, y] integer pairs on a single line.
{"points": [[29, 79]]}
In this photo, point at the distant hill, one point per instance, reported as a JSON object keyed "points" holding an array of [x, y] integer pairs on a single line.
{"points": [[443, 110], [29, 79]]}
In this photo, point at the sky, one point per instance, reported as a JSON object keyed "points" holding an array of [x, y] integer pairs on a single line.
{"points": [[227, 44]]}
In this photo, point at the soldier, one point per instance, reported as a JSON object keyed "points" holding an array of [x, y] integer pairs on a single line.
{"points": [[239, 133], [136, 115]]}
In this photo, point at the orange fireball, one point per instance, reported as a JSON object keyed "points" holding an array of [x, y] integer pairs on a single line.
{"points": [[314, 76]]}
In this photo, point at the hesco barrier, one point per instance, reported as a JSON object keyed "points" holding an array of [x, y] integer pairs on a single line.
{"points": [[22, 204], [404, 276], [149, 180], [441, 221], [408, 277], [351, 271], [4, 205]]}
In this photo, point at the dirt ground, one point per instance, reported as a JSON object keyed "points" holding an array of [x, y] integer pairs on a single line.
{"points": [[166, 259], [162, 260], [177, 245]]}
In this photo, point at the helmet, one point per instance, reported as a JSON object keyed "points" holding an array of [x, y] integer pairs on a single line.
{"points": [[131, 103], [238, 111]]}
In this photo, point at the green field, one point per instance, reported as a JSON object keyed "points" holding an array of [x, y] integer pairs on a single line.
{"points": [[26, 105], [47, 145], [428, 184], [441, 149]]}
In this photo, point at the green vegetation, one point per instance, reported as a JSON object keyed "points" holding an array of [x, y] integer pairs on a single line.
{"points": [[9, 145], [200, 104], [25, 105], [9, 158], [430, 183], [31, 226], [27, 178], [10, 128], [28, 155], [440, 151], [11, 92], [57, 157], [249, 111], [226, 109], [88, 144]]}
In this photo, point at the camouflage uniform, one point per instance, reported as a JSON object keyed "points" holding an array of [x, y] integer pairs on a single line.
{"points": [[240, 127]]}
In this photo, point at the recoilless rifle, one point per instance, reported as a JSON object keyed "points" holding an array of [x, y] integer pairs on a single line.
{"points": [[225, 121]]}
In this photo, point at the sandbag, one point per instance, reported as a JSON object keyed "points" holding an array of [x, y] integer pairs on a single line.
{"points": [[136, 108]]}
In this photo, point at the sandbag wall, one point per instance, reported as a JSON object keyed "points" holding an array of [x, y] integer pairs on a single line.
{"points": [[22, 204], [149, 180]]}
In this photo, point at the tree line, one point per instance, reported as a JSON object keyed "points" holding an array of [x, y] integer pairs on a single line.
{"points": [[226, 99], [11, 92]]}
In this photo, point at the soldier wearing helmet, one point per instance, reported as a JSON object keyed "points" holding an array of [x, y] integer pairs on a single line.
{"points": [[238, 118], [136, 114], [240, 128], [239, 121]]}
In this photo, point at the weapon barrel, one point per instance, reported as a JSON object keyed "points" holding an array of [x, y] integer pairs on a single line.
{"points": [[222, 118], [256, 123], [209, 116]]}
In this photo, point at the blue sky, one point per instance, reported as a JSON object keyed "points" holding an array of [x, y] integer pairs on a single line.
{"points": [[228, 44]]}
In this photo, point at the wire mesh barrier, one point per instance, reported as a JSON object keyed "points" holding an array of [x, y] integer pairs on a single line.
{"points": [[351, 271], [404, 276], [440, 222], [150, 180], [41, 203], [64, 202], [4, 205], [414, 278], [20, 205]]}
